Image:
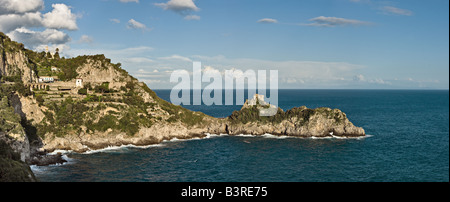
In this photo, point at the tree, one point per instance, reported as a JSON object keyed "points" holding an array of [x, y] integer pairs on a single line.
{"points": [[56, 55], [82, 91], [40, 99]]}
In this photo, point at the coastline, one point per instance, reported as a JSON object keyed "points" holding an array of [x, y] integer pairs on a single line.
{"points": [[206, 136]]}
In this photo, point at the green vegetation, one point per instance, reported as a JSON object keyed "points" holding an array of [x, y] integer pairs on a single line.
{"points": [[95, 112], [42, 63], [69, 115], [177, 113], [9, 121], [9, 45], [39, 99], [251, 114], [83, 91], [11, 168], [103, 88], [302, 114]]}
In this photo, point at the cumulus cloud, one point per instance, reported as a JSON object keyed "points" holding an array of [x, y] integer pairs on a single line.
{"points": [[267, 21], [133, 24], [61, 17], [396, 11], [183, 7], [323, 21], [20, 6], [34, 38], [18, 17], [11, 22]]}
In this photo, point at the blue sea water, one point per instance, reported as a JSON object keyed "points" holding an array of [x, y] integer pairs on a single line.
{"points": [[408, 141]]}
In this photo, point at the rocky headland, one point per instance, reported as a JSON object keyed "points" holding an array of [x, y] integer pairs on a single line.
{"points": [[93, 104]]}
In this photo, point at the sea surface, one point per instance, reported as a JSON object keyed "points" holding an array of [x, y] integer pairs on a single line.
{"points": [[408, 141]]}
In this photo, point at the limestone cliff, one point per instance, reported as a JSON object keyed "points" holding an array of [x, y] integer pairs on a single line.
{"points": [[13, 61], [96, 104]]}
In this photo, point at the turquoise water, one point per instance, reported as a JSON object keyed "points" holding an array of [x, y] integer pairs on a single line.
{"points": [[408, 141]]}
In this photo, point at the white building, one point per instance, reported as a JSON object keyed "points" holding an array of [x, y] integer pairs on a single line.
{"points": [[257, 99], [46, 79], [79, 83]]}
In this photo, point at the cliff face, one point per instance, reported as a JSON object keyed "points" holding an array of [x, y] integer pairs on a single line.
{"points": [[14, 146], [112, 108], [13, 61]]}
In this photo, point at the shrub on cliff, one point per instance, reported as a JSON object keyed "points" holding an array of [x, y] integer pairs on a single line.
{"points": [[83, 91], [11, 168]]}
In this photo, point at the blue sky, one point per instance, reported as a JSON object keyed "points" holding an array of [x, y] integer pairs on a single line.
{"points": [[331, 44]]}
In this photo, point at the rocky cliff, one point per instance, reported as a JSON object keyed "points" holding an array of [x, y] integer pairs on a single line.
{"points": [[112, 108], [13, 60], [299, 122]]}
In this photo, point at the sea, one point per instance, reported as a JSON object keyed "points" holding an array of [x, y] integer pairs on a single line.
{"points": [[407, 141]]}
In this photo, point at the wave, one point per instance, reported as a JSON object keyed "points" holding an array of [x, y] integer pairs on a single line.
{"points": [[208, 136], [55, 152], [271, 136], [121, 148]]}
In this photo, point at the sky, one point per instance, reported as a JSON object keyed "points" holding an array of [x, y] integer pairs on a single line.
{"points": [[326, 44]]}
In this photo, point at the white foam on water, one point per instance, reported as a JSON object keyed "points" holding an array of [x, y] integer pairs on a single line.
{"points": [[120, 148], [267, 135], [55, 152], [246, 135], [38, 169], [208, 135]]}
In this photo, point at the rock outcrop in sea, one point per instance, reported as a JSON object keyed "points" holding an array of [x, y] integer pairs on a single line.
{"points": [[298, 122]]}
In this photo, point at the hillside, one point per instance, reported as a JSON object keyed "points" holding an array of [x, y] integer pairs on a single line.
{"points": [[85, 103]]}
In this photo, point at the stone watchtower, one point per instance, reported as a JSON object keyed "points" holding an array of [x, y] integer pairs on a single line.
{"points": [[79, 83]]}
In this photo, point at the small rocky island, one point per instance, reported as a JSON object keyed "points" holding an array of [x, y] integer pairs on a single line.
{"points": [[298, 122], [86, 103]]}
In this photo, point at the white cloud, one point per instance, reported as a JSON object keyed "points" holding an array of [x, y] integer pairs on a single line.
{"points": [[60, 17], [62, 48], [114, 20], [192, 17], [396, 11], [133, 24], [18, 17], [180, 6], [267, 21], [11, 22], [323, 21], [20, 6], [35, 39]]}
